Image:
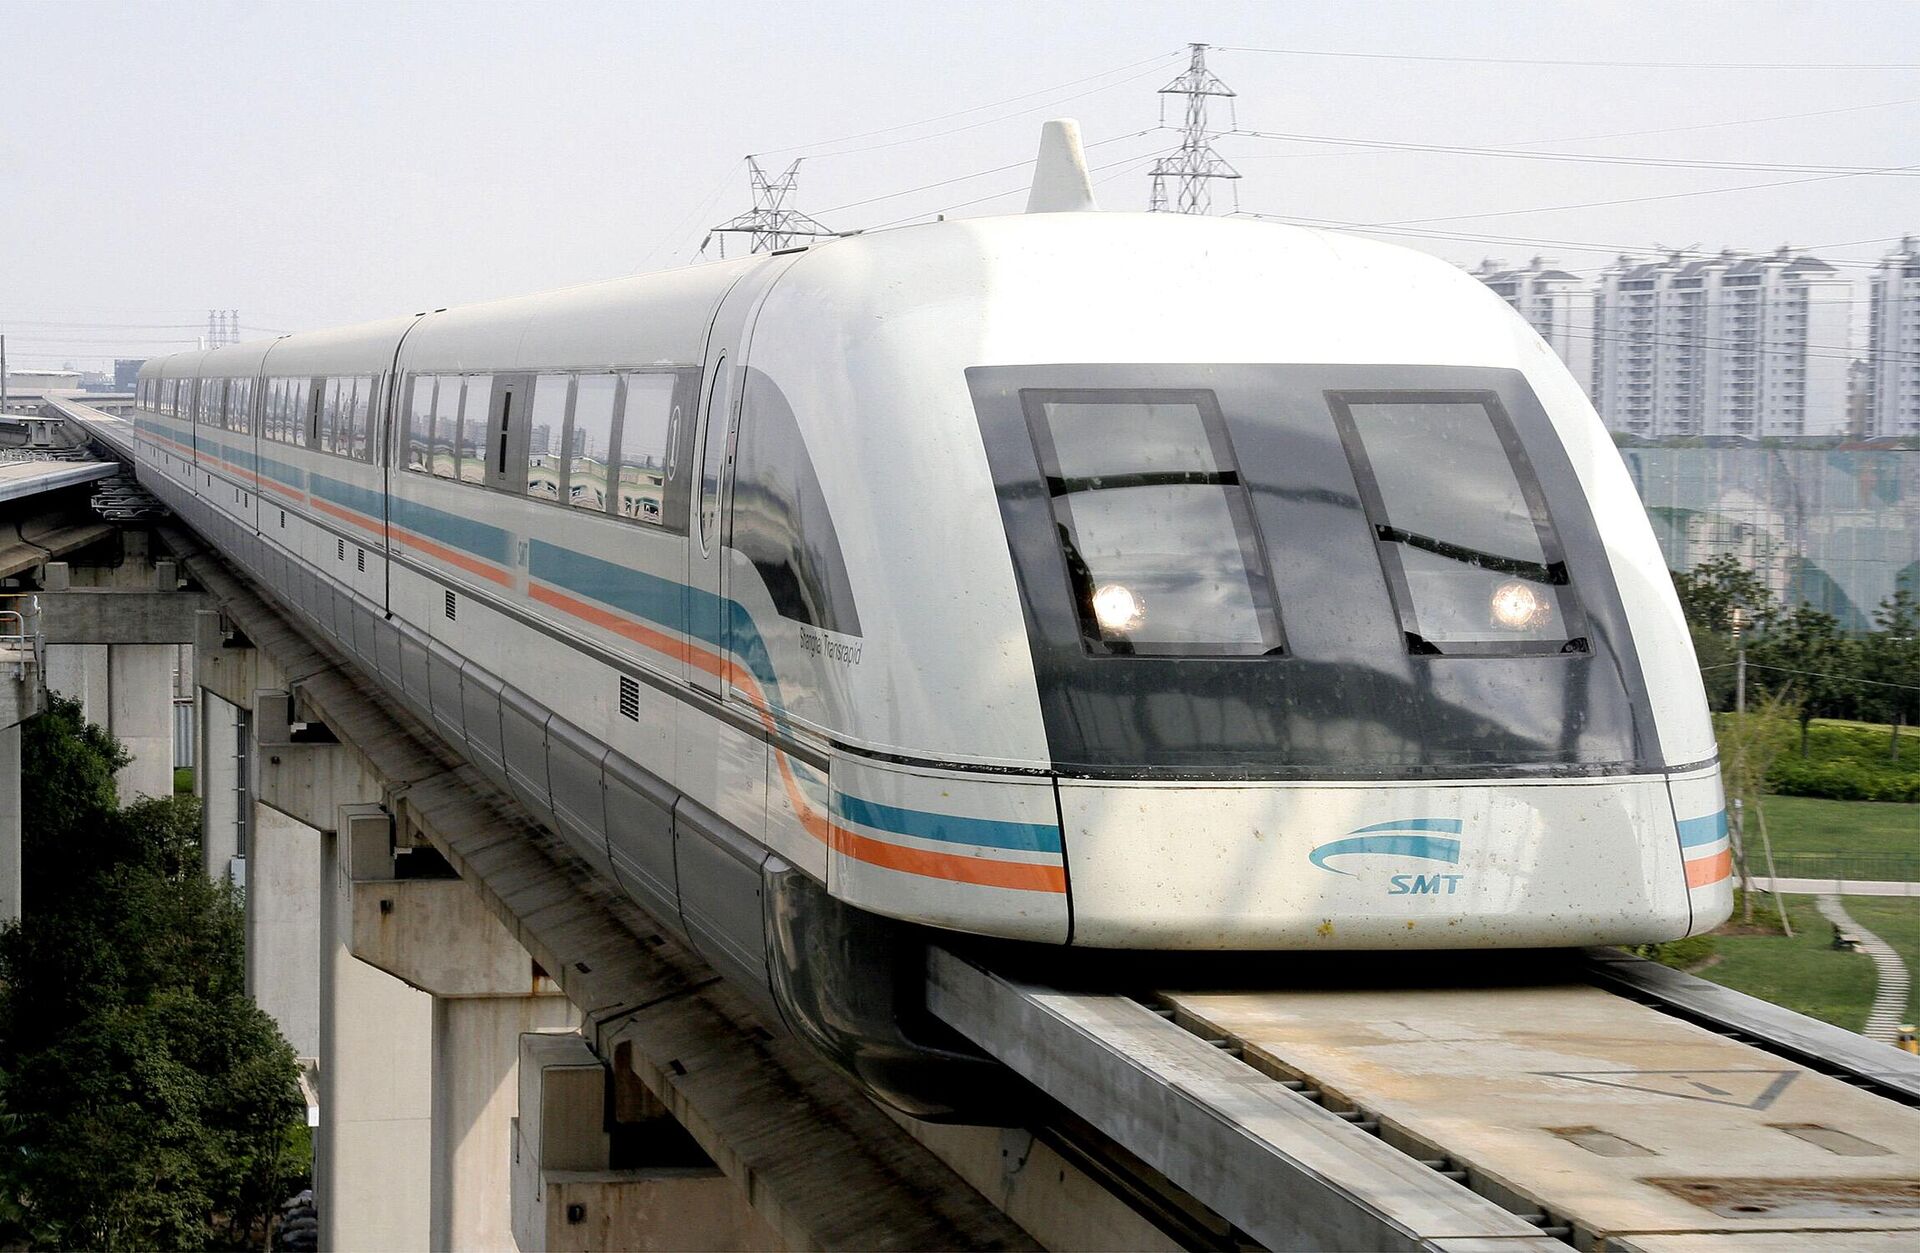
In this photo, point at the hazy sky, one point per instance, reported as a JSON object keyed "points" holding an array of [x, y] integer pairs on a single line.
{"points": [[314, 164]]}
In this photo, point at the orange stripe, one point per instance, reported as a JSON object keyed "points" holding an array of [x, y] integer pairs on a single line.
{"points": [[1703, 871], [951, 866]]}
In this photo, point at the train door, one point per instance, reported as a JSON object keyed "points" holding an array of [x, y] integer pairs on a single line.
{"points": [[707, 615], [507, 432]]}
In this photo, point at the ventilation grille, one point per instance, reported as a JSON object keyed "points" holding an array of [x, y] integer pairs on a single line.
{"points": [[360, 559], [450, 607], [629, 699], [340, 550]]}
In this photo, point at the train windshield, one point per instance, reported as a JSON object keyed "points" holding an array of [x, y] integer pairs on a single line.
{"points": [[1155, 523], [1466, 542], [1244, 571]]}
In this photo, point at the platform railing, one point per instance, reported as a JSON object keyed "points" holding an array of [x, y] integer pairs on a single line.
{"points": [[21, 642]]}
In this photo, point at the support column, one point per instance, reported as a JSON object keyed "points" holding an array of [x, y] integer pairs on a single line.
{"points": [[371, 1157], [140, 715], [79, 672], [219, 776], [436, 933], [9, 824], [476, 1068], [284, 901]]}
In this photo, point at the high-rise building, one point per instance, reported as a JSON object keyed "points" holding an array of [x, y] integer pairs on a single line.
{"points": [[1554, 303], [126, 373], [1732, 344], [1893, 352]]}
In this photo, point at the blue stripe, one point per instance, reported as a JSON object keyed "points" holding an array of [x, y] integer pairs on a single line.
{"points": [[1026, 837], [1449, 825], [1432, 848], [1697, 831]]}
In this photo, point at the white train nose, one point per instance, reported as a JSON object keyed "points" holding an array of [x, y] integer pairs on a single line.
{"points": [[1444, 864]]}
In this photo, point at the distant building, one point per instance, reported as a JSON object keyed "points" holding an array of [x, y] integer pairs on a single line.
{"points": [[1734, 344], [1554, 303], [126, 373], [1893, 353]]}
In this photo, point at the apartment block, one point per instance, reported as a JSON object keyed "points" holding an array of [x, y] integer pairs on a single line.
{"points": [[1732, 344], [1893, 352]]}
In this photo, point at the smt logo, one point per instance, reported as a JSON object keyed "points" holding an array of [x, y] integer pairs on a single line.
{"points": [[1428, 839]]}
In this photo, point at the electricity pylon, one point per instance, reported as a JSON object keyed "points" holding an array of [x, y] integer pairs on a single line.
{"points": [[771, 224], [1194, 163]]}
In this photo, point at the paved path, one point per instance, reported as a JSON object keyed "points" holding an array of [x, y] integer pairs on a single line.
{"points": [[1838, 887], [1890, 995]]}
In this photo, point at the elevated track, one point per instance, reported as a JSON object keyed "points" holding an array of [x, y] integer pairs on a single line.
{"points": [[1475, 1101]]}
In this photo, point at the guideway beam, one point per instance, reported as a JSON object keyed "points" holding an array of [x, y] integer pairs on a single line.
{"points": [[818, 1162], [1288, 1173]]}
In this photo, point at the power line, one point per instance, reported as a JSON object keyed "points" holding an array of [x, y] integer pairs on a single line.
{"points": [[1677, 195], [928, 121], [1595, 159], [773, 223], [998, 169], [1610, 65]]}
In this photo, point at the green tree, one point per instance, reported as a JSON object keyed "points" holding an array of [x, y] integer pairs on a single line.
{"points": [[1806, 661], [1891, 658], [145, 1102], [1711, 591]]}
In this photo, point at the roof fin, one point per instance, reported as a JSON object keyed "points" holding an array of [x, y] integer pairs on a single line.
{"points": [[1060, 183]]}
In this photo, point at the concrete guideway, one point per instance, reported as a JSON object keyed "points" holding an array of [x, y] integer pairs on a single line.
{"points": [[820, 1165], [1565, 1109], [1892, 982]]}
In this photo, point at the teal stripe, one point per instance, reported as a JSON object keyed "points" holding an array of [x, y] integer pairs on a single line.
{"points": [[1697, 831], [1430, 847], [985, 832]]}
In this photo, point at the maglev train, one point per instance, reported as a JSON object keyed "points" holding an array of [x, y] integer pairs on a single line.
{"points": [[1108, 580]]}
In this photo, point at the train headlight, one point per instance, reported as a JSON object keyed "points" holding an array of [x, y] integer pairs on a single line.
{"points": [[1117, 609], [1517, 607]]}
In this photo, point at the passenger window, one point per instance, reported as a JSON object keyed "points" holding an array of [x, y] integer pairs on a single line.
{"points": [[644, 434], [212, 392], [329, 414], [473, 428], [240, 404], [360, 445], [549, 423], [419, 422], [590, 442], [444, 452]]}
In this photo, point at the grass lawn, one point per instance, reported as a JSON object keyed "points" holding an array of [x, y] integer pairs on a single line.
{"points": [[1804, 824], [1804, 973], [1897, 921]]}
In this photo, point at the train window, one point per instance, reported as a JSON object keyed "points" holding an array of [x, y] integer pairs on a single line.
{"points": [[780, 521], [549, 425], [419, 422], [644, 434], [240, 406], [357, 438], [444, 455], [1461, 525], [1155, 522], [590, 440], [212, 398], [473, 428], [329, 415]]}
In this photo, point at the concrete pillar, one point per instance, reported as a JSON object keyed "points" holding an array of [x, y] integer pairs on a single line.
{"points": [[220, 779], [79, 672], [140, 715], [9, 824], [437, 934], [284, 901], [476, 1058], [376, 1113]]}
